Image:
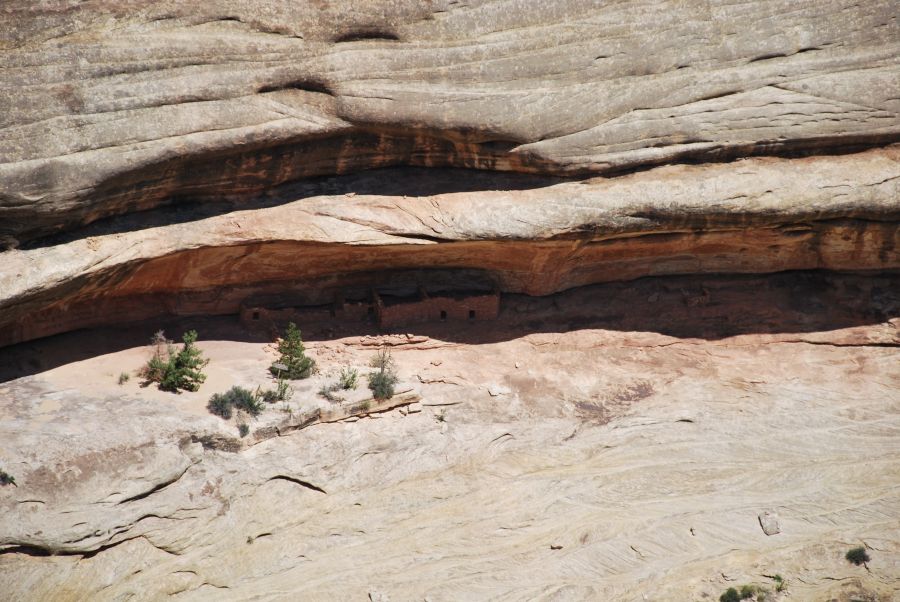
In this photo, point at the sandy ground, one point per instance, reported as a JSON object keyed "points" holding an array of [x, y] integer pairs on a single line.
{"points": [[577, 463]]}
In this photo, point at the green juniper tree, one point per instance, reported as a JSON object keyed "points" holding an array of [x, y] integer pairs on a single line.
{"points": [[294, 363], [186, 367], [175, 370]]}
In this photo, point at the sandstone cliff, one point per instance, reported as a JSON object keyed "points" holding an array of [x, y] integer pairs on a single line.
{"points": [[109, 109], [215, 107], [165, 161], [759, 215]]}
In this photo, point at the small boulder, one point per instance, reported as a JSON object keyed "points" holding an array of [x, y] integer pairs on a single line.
{"points": [[497, 390], [769, 523]]}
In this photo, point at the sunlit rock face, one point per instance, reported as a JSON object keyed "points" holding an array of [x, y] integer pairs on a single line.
{"points": [[606, 443], [758, 215], [216, 115], [686, 214]]}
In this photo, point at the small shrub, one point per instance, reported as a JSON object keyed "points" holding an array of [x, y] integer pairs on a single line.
{"points": [[779, 583], [442, 416], [730, 595], [382, 384], [328, 392], [246, 401], [383, 361], [160, 341], [124, 377], [237, 398], [857, 556], [281, 392], [745, 593], [7, 479], [383, 380], [349, 378], [163, 351], [175, 370], [293, 362], [220, 406], [243, 429]]}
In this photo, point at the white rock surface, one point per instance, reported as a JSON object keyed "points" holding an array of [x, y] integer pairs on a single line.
{"points": [[593, 459]]}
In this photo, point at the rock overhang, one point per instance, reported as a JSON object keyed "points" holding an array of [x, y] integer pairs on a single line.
{"points": [[143, 121]]}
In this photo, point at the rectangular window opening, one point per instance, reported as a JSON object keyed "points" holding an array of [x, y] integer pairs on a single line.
{"points": [[256, 315], [471, 314], [443, 315]]}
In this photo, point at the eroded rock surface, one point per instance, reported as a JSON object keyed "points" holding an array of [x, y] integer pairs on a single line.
{"points": [[167, 161], [108, 108], [216, 114], [620, 461], [758, 215]]}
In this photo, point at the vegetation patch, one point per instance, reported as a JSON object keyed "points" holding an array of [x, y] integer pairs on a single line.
{"points": [[281, 392], [858, 556], [383, 380], [293, 363], [329, 392], [746, 592], [780, 583], [7, 479], [349, 378], [236, 398], [219, 406], [174, 370]]}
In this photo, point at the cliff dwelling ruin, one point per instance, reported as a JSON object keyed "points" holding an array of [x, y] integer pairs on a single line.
{"points": [[449, 300], [396, 300]]}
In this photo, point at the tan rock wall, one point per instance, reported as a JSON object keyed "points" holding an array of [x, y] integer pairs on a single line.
{"points": [[216, 280], [108, 108], [471, 308]]}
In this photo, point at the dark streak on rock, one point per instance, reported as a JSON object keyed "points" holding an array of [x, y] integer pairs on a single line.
{"points": [[297, 481], [156, 488]]}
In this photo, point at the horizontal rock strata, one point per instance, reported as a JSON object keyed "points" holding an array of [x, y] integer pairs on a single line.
{"points": [[106, 109], [557, 453], [621, 441], [757, 215]]}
